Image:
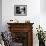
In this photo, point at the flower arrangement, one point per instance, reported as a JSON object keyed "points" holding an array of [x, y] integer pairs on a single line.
{"points": [[40, 34]]}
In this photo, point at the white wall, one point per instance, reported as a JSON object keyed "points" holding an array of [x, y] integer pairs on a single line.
{"points": [[43, 6], [43, 14], [0, 15]]}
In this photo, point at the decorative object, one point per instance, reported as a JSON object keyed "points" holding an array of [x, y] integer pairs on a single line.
{"points": [[27, 21], [20, 10], [13, 21], [41, 36]]}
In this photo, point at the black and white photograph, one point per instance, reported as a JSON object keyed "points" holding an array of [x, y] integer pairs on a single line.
{"points": [[20, 10]]}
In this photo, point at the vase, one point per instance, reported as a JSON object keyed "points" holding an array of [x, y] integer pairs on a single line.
{"points": [[41, 43]]}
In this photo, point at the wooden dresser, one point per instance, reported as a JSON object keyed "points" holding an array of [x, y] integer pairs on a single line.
{"points": [[22, 33]]}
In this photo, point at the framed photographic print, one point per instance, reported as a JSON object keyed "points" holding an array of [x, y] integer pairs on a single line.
{"points": [[20, 10]]}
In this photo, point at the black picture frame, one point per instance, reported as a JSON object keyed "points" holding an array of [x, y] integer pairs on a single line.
{"points": [[20, 10]]}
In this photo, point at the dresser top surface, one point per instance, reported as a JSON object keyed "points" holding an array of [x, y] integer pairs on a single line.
{"points": [[19, 23]]}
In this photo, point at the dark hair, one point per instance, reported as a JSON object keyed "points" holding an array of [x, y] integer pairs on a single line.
{"points": [[2, 36]]}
